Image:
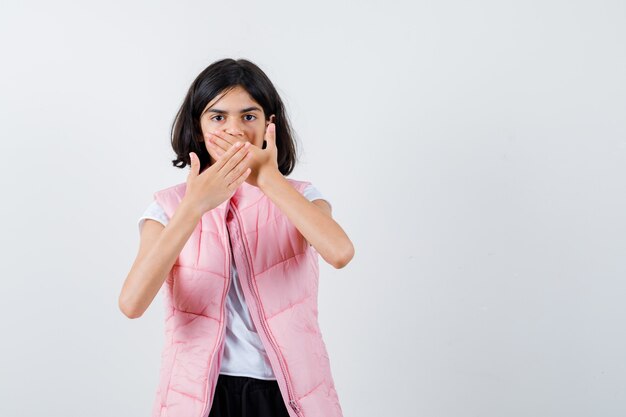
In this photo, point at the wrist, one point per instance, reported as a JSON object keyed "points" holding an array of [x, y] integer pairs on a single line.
{"points": [[189, 209], [268, 177]]}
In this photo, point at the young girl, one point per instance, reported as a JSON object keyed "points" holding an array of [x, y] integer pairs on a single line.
{"points": [[237, 247]]}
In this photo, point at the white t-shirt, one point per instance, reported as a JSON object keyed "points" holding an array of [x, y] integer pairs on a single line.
{"points": [[244, 354]]}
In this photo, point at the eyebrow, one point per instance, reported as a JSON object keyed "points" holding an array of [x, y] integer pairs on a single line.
{"points": [[247, 109]]}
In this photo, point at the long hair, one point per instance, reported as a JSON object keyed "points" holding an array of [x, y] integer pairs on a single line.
{"points": [[218, 78]]}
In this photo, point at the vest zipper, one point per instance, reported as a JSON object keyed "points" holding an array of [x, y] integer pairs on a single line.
{"points": [[219, 341], [292, 401]]}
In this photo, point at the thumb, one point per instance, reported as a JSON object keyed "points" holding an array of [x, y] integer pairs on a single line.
{"points": [[270, 136], [195, 165]]}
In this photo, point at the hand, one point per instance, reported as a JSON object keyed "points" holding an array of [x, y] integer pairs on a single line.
{"points": [[263, 162], [214, 185]]}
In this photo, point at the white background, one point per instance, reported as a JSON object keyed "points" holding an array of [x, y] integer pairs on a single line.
{"points": [[474, 152]]}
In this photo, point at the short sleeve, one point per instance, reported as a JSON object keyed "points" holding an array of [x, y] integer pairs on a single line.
{"points": [[154, 212], [312, 193]]}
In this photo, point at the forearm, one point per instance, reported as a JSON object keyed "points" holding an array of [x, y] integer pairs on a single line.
{"points": [[146, 277], [319, 229]]}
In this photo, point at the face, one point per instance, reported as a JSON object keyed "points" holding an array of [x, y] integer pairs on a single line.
{"points": [[236, 113]]}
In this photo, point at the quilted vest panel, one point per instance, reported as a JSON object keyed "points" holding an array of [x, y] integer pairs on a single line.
{"points": [[279, 274]]}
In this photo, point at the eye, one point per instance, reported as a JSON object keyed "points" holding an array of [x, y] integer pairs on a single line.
{"points": [[213, 118], [251, 115]]}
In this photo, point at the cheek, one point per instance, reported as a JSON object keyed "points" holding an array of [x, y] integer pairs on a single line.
{"points": [[204, 127], [256, 135], [259, 139]]}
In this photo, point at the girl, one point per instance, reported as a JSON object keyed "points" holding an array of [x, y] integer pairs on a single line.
{"points": [[237, 247]]}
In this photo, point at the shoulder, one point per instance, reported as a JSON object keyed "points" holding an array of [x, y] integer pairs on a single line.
{"points": [[299, 185], [312, 193], [155, 208], [153, 212], [171, 191], [169, 198]]}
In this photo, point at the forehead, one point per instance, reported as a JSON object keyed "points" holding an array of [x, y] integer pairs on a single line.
{"points": [[234, 99]]}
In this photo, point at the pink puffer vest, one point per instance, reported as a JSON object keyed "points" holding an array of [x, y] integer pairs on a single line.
{"points": [[279, 274]]}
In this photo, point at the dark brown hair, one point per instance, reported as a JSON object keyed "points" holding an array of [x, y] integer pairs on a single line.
{"points": [[218, 78]]}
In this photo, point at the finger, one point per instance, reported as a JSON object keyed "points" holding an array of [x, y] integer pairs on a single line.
{"points": [[239, 180], [212, 140], [195, 165], [234, 159], [270, 137], [226, 156], [270, 134], [238, 170], [211, 145], [223, 139]]}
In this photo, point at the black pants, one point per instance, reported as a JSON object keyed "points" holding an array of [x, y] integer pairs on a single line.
{"points": [[242, 396]]}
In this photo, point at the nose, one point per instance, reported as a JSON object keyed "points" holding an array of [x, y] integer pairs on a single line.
{"points": [[234, 128]]}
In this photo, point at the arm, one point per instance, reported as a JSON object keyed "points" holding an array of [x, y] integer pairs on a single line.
{"points": [[159, 248], [312, 219]]}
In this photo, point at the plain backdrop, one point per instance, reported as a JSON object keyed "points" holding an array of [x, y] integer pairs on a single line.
{"points": [[474, 152]]}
